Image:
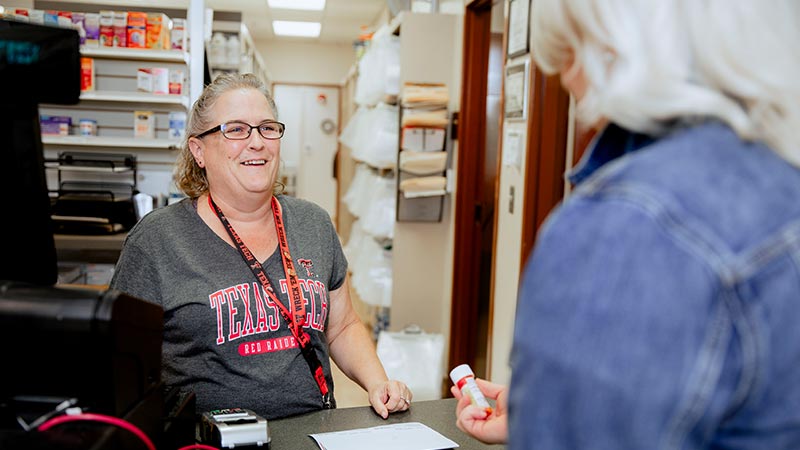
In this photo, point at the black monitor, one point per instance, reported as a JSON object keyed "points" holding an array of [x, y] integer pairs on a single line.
{"points": [[100, 348], [38, 64]]}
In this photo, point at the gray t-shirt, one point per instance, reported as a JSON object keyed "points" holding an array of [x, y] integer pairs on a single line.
{"points": [[224, 339]]}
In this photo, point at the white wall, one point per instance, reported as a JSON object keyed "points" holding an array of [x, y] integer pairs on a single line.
{"points": [[306, 62], [507, 261]]}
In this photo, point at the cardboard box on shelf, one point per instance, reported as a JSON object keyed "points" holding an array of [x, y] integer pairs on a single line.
{"points": [[178, 34], [160, 80], [175, 81], [137, 29], [91, 23], [177, 124], [422, 139], [78, 19], [120, 27], [87, 74], [55, 125], [153, 79], [144, 80], [106, 32], [144, 124], [158, 30]]}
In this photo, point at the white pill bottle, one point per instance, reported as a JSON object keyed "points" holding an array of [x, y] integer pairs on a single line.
{"points": [[464, 379]]}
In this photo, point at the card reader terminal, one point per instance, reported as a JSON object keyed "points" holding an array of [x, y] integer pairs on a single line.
{"points": [[234, 427]]}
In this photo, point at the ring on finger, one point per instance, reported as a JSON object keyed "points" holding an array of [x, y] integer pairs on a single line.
{"points": [[405, 400]]}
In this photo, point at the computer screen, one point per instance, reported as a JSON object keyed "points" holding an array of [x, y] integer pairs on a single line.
{"points": [[100, 348], [38, 64]]}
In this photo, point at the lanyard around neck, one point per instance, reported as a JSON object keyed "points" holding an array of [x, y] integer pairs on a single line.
{"points": [[296, 318]]}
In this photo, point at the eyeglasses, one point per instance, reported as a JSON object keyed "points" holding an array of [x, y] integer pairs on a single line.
{"points": [[268, 129]]}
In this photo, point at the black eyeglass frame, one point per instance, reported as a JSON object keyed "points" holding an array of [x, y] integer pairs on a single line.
{"points": [[249, 132]]}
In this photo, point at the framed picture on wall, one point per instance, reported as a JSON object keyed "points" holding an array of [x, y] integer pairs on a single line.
{"points": [[518, 27], [515, 89]]}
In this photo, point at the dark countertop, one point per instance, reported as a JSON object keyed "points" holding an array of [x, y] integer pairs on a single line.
{"points": [[292, 433]]}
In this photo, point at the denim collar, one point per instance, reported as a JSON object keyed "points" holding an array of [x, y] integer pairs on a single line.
{"points": [[613, 142]]}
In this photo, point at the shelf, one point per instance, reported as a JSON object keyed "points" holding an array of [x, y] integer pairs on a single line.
{"points": [[72, 168], [116, 142], [134, 97], [89, 242], [135, 54]]}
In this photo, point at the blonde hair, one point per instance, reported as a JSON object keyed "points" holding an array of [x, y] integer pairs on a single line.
{"points": [[189, 177], [651, 64]]}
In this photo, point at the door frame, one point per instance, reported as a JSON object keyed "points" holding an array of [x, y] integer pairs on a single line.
{"points": [[546, 160], [469, 181]]}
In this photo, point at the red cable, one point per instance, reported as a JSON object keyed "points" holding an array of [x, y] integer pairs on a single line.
{"points": [[199, 447], [99, 418]]}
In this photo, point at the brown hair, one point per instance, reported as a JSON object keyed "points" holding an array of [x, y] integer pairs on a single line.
{"points": [[189, 177]]}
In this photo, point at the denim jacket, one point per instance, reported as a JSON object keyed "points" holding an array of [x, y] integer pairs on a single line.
{"points": [[660, 308]]}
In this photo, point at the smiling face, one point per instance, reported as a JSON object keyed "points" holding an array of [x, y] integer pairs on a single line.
{"points": [[239, 167]]}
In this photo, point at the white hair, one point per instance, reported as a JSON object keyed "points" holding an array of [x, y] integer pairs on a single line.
{"points": [[652, 63]]}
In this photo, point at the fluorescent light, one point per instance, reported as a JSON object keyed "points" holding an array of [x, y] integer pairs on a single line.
{"points": [[306, 5], [302, 29]]}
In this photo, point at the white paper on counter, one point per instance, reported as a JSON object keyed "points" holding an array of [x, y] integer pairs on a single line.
{"points": [[398, 436]]}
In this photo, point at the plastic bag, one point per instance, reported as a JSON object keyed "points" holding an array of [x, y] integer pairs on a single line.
{"points": [[415, 358]]}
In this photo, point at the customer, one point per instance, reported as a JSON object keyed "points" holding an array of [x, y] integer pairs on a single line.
{"points": [[660, 308], [244, 274]]}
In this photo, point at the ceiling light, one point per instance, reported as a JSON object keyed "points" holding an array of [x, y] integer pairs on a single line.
{"points": [[301, 29], [306, 5]]}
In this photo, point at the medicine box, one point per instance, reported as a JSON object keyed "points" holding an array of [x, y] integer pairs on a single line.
{"points": [[106, 28], [91, 23], [160, 80], [175, 81], [120, 27], [87, 74], [144, 124], [178, 34], [78, 18], [144, 80], [55, 125], [158, 28], [137, 29], [153, 79], [177, 124]]}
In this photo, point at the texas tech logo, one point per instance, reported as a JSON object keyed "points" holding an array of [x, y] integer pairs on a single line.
{"points": [[308, 265]]}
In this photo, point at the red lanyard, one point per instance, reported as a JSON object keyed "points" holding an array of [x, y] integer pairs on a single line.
{"points": [[297, 317]]}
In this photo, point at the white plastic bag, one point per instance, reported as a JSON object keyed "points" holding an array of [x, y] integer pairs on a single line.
{"points": [[415, 358]]}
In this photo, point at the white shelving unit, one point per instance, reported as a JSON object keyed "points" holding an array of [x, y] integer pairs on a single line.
{"points": [[134, 97], [110, 142], [250, 60], [115, 97], [136, 54], [112, 105]]}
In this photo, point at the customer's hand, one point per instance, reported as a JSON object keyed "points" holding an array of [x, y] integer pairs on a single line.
{"points": [[389, 397], [475, 421]]}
